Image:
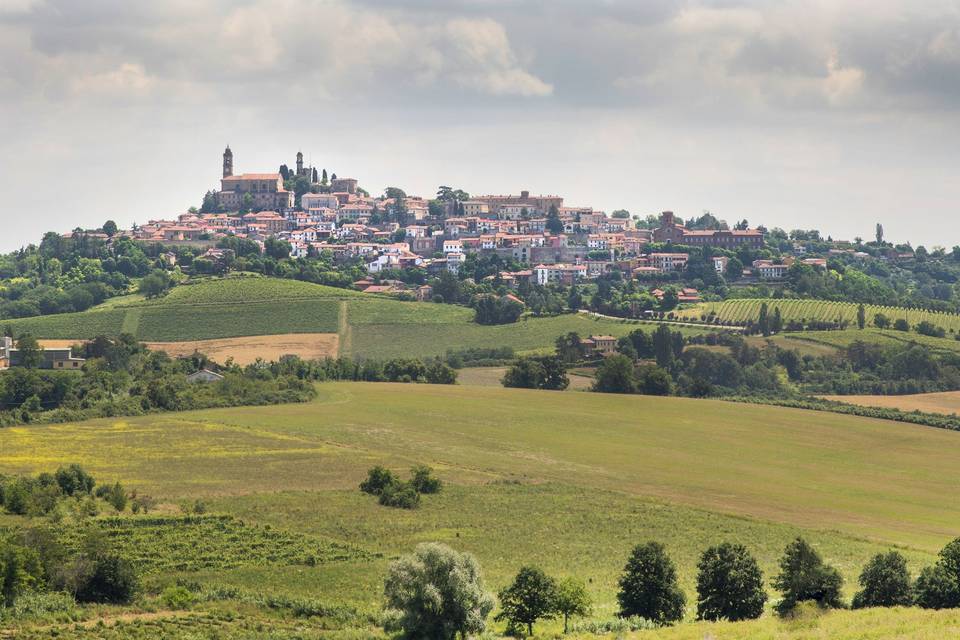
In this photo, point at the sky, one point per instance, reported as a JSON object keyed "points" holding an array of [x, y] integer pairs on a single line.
{"points": [[833, 115]]}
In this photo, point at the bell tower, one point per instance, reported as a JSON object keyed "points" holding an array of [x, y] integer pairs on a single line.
{"points": [[227, 162]]}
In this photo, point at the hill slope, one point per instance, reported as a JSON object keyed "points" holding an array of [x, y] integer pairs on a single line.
{"points": [[566, 481], [368, 325]]}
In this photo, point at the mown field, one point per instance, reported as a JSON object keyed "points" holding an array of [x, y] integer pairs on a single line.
{"points": [[947, 402], [844, 337], [569, 481], [367, 326], [742, 310]]}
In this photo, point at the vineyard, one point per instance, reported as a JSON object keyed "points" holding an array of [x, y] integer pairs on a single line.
{"points": [[744, 310], [193, 543]]}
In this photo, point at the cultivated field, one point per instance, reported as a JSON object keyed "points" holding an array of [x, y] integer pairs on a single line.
{"points": [[368, 326], [947, 402], [742, 310], [247, 349]]}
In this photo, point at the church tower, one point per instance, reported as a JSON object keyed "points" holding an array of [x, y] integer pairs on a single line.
{"points": [[227, 162], [299, 163]]}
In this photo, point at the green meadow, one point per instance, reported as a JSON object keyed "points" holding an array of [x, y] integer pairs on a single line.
{"points": [[569, 481]]}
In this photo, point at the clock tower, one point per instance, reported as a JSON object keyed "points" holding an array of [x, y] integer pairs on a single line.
{"points": [[227, 162]]}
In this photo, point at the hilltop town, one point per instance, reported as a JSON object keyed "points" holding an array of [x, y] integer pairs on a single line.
{"points": [[553, 242]]}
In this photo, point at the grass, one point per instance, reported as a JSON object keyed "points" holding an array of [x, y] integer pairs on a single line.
{"points": [[369, 326], [744, 309], [569, 481]]}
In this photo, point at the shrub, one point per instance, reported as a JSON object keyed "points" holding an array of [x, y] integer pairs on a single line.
{"points": [[615, 625], [884, 582], [437, 593], [804, 577], [423, 480], [378, 479], [532, 596], [648, 587], [401, 495], [114, 495], [729, 584], [177, 597], [901, 325]]}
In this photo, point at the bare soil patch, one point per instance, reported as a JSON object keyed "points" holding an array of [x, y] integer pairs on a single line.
{"points": [[947, 402], [247, 349]]}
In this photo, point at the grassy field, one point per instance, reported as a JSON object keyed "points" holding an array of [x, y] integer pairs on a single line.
{"points": [[569, 481], [367, 326], [741, 310]]}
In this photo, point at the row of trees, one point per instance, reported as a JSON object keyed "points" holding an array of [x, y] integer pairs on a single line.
{"points": [[439, 593]]}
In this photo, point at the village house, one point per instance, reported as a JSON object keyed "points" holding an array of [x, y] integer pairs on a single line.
{"points": [[566, 274], [599, 345]]}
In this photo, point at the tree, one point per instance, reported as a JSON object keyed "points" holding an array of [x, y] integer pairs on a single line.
{"points": [[554, 224], [543, 372], [437, 593], [572, 599], [276, 249], [532, 596], [246, 203], [423, 480], [937, 588], [210, 203], [763, 322], [74, 480], [879, 234], [569, 348], [110, 228], [105, 578], [663, 347], [729, 584], [648, 586], [402, 495], [804, 577], [884, 582], [378, 479], [20, 571], [31, 353], [155, 284], [861, 317], [615, 375]]}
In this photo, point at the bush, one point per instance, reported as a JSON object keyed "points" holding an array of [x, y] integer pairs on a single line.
{"points": [[901, 325], [378, 479], [437, 593], [615, 625], [401, 495], [177, 597], [648, 587], [423, 480], [729, 584], [884, 582], [804, 577]]}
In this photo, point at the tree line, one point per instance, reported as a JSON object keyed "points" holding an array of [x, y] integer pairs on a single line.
{"points": [[438, 592]]}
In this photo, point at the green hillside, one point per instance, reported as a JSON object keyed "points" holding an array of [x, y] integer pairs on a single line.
{"points": [[369, 325], [566, 481]]}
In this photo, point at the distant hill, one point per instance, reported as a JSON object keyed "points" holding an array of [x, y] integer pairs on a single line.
{"points": [[368, 325]]}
